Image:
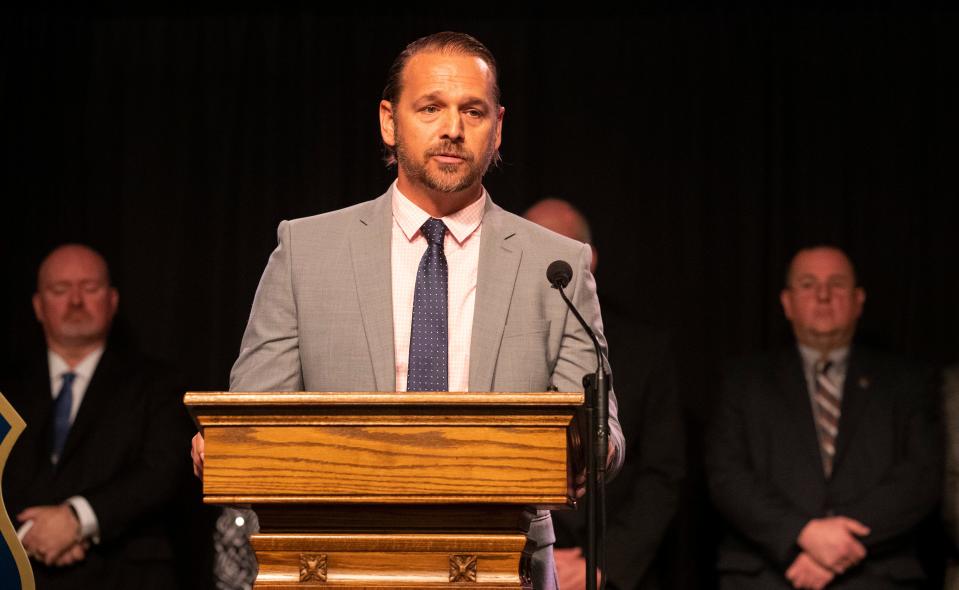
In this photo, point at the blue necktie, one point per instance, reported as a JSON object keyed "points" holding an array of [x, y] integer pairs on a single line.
{"points": [[61, 415], [429, 352]]}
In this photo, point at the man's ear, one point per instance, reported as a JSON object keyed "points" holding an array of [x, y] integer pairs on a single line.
{"points": [[387, 124], [37, 307], [859, 296], [787, 303], [114, 301], [499, 126]]}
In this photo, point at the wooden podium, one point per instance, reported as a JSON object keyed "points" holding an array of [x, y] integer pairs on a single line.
{"points": [[389, 490]]}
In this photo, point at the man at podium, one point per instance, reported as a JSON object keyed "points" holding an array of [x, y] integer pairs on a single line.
{"points": [[431, 286]]}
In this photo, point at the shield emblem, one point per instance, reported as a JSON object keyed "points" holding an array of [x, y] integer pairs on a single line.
{"points": [[15, 572]]}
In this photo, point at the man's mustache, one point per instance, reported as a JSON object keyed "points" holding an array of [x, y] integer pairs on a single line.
{"points": [[77, 314], [450, 150]]}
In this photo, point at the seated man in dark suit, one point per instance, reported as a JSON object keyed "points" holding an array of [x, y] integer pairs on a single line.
{"points": [[90, 480], [823, 458], [643, 499]]}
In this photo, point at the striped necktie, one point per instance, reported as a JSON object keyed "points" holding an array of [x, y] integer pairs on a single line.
{"points": [[827, 399]]}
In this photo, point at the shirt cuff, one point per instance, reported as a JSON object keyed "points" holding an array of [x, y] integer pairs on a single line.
{"points": [[89, 526]]}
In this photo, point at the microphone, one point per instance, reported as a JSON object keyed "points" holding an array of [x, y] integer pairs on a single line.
{"points": [[559, 274]]}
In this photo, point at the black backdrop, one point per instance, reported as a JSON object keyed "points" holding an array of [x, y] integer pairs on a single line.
{"points": [[704, 146]]}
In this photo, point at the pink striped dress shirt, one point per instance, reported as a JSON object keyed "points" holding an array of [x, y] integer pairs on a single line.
{"points": [[461, 246]]}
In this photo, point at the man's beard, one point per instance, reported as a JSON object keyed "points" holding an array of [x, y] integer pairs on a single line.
{"points": [[451, 178]]}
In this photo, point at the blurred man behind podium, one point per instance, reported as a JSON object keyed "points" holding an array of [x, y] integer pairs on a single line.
{"points": [[644, 497], [90, 480]]}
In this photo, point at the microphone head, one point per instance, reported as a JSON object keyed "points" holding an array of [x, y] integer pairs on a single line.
{"points": [[559, 273]]}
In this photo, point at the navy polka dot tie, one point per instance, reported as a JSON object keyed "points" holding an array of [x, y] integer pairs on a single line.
{"points": [[429, 352]]}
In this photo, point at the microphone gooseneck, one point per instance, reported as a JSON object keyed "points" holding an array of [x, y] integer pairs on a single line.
{"points": [[559, 274]]}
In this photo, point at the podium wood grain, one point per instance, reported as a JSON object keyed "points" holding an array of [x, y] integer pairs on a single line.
{"points": [[388, 490]]}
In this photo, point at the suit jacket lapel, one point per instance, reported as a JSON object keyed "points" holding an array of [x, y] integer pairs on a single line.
{"points": [[792, 384], [370, 247], [855, 399], [499, 260], [36, 409]]}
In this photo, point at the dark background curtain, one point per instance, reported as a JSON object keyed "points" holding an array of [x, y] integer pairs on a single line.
{"points": [[704, 146]]}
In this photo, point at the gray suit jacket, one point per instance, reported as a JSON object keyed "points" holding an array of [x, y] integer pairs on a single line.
{"points": [[322, 317]]}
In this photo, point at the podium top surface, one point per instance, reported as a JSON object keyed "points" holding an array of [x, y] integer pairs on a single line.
{"points": [[281, 399]]}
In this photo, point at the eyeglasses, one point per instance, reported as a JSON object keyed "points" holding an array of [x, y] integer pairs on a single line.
{"points": [[840, 284]]}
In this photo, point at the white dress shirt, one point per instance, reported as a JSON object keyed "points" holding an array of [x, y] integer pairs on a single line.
{"points": [[89, 526], [461, 247]]}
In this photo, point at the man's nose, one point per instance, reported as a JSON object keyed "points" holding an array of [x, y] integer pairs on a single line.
{"points": [[823, 291], [76, 296], [453, 125]]}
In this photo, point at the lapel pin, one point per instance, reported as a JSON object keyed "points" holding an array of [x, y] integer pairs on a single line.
{"points": [[864, 382]]}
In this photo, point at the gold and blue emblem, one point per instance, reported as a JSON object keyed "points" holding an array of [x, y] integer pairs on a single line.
{"points": [[15, 572]]}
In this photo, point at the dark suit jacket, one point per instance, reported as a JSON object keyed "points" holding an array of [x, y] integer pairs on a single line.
{"points": [[643, 499], [125, 453], [765, 473]]}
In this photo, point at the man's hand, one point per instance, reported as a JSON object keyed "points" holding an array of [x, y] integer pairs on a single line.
{"points": [[806, 574], [580, 477], [832, 542], [55, 530], [77, 552], [580, 487], [197, 454]]}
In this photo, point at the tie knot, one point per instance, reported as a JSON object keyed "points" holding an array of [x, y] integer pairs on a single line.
{"points": [[823, 366], [68, 378], [434, 230]]}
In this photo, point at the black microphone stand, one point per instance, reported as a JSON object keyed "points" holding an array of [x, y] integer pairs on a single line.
{"points": [[596, 409]]}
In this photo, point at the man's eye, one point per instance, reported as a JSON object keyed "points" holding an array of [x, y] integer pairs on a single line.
{"points": [[840, 285], [431, 109], [475, 113]]}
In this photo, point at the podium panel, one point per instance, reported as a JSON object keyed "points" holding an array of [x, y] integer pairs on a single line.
{"points": [[389, 490]]}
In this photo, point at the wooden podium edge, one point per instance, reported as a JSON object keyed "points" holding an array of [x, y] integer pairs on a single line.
{"points": [[548, 502], [279, 399]]}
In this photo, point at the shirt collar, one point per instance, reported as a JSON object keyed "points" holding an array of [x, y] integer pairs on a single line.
{"points": [[461, 224], [84, 369], [838, 357]]}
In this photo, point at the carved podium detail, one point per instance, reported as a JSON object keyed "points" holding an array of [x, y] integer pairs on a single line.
{"points": [[388, 490], [462, 568], [312, 568]]}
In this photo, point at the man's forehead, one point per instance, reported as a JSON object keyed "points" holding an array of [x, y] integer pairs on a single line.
{"points": [[821, 262], [439, 72], [73, 264]]}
